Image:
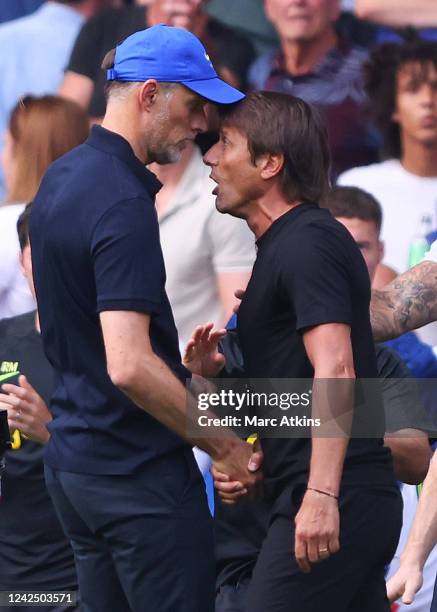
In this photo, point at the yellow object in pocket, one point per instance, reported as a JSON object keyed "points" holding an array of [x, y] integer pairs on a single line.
{"points": [[16, 440]]}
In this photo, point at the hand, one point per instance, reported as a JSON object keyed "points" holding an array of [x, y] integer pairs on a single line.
{"points": [[239, 294], [405, 583], [202, 356], [317, 529], [27, 411], [229, 485]]}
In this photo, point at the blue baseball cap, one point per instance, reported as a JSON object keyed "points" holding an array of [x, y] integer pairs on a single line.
{"points": [[170, 55]]}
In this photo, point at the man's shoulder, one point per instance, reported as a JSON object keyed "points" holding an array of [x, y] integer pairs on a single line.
{"points": [[355, 54], [14, 327], [363, 175], [314, 232], [389, 364], [16, 25]]}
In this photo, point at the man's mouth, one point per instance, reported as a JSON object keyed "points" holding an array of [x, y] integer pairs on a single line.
{"points": [[216, 189]]}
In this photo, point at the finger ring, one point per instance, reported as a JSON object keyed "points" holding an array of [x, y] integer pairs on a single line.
{"points": [[18, 414], [323, 550]]}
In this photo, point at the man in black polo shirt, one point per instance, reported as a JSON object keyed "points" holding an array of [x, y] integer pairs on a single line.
{"points": [[336, 508], [121, 476]]}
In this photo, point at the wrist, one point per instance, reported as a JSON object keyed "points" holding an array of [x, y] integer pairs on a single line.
{"points": [[413, 557], [222, 448], [322, 492]]}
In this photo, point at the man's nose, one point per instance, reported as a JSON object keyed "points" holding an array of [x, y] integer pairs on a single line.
{"points": [[210, 158], [427, 95], [199, 123]]}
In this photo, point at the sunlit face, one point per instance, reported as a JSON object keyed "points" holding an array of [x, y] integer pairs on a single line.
{"points": [[179, 13], [26, 267], [238, 179], [365, 234], [416, 104], [8, 161], [179, 116], [302, 20]]}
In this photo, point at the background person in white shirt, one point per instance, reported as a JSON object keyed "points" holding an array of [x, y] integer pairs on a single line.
{"points": [[401, 81]]}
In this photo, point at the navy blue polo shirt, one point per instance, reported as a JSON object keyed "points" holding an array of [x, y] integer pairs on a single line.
{"points": [[95, 247]]}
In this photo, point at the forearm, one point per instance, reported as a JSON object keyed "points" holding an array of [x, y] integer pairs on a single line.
{"points": [[409, 302], [333, 405], [155, 389], [410, 457], [398, 13], [423, 534]]}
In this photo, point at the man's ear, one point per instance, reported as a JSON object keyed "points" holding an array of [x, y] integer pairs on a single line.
{"points": [[148, 93], [270, 165]]}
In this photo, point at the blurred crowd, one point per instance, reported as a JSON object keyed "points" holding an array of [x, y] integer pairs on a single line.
{"points": [[368, 66]]}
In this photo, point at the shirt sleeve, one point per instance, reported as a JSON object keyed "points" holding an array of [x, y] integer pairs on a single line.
{"points": [[232, 243], [128, 264], [86, 57], [315, 277], [402, 405]]}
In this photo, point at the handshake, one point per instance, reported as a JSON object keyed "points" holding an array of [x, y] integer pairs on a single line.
{"points": [[236, 464], [238, 471]]}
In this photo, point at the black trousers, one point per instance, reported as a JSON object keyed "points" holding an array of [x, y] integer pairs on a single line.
{"points": [[141, 542], [350, 581]]}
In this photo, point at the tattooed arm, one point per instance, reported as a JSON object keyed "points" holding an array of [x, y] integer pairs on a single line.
{"points": [[408, 302]]}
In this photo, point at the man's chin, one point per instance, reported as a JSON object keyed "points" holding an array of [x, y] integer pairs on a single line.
{"points": [[171, 156], [221, 206]]}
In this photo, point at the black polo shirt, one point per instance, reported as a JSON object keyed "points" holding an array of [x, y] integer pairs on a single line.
{"points": [[34, 552], [308, 272], [95, 247]]}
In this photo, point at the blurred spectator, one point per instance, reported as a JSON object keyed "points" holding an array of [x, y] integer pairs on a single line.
{"points": [[85, 80], [40, 130], [398, 13], [323, 69], [207, 255], [35, 555], [361, 214], [401, 81], [248, 17], [12, 9], [34, 51]]}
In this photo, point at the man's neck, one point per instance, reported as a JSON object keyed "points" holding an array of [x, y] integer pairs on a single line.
{"points": [[301, 57], [420, 159], [170, 176], [262, 213], [117, 120]]}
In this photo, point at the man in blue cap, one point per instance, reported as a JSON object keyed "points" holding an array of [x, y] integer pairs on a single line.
{"points": [[120, 473]]}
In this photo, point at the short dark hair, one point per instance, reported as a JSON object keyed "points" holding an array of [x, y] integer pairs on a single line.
{"points": [[278, 123], [114, 87], [354, 203], [380, 81], [23, 226]]}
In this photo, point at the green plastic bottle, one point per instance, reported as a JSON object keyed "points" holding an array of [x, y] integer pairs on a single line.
{"points": [[419, 246]]}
